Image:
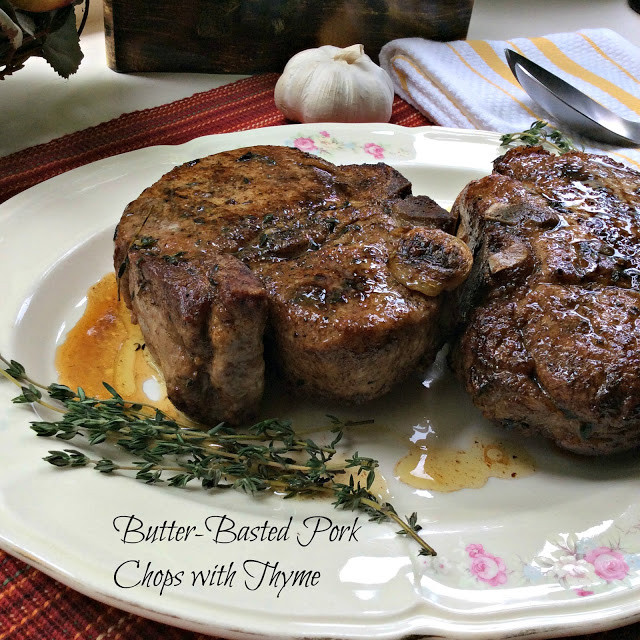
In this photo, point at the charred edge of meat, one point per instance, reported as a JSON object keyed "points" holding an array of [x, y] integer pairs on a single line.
{"points": [[548, 338]]}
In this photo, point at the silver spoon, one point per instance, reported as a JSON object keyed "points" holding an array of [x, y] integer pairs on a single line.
{"points": [[570, 106]]}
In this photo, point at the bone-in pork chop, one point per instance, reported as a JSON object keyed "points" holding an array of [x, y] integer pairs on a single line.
{"points": [[338, 268], [550, 339]]}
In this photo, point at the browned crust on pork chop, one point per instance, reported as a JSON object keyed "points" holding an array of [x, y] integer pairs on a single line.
{"points": [[224, 248], [550, 313]]}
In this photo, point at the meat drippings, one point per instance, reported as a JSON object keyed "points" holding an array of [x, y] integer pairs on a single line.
{"points": [[437, 468], [105, 346]]}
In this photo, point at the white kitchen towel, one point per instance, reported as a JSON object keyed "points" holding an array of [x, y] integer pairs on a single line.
{"points": [[468, 84]]}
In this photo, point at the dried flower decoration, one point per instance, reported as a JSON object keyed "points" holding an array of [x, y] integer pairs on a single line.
{"points": [[42, 28]]}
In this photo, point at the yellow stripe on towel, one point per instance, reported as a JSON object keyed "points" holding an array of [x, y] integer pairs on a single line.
{"points": [[405, 85], [493, 84], [493, 60], [608, 58], [515, 47], [562, 61], [625, 158]]}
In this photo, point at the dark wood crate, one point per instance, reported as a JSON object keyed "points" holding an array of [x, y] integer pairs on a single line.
{"points": [[249, 36]]}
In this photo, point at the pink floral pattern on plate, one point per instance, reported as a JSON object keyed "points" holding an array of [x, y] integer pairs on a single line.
{"points": [[324, 143], [305, 144], [608, 563], [583, 566], [375, 150], [486, 567]]}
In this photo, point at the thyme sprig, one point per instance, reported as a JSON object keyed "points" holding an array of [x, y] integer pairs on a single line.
{"points": [[269, 455], [540, 133]]}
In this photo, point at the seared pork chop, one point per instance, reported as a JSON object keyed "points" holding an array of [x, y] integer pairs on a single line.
{"points": [[550, 336], [340, 268]]}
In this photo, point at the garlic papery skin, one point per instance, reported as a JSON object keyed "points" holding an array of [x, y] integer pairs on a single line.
{"points": [[331, 84]]}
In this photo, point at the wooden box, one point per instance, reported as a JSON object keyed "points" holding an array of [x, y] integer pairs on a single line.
{"points": [[249, 36]]}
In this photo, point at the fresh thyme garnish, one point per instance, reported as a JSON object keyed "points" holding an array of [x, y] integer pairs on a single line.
{"points": [[270, 455], [540, 133]]}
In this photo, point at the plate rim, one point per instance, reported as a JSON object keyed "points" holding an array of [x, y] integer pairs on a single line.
{"points": [[597, 621]]}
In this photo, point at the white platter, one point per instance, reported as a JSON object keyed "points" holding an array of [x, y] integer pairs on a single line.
{"points": [[554, 553]]}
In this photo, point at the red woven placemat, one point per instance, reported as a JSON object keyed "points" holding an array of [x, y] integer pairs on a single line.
{"points": [[246, 104], [32, 605]]}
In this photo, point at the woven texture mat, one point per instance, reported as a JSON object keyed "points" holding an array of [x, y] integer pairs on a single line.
{"points": [[246, 104], [32, 605]]}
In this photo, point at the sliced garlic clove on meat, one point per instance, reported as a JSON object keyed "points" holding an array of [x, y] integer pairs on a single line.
{"points": [[430, 261]]}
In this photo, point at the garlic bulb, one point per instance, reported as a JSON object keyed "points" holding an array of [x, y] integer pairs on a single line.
{"points": [[330, 84]]}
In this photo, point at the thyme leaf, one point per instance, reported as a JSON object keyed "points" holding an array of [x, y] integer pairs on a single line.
{"points": [[269, 455], [540, 133], [15, 370]]}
